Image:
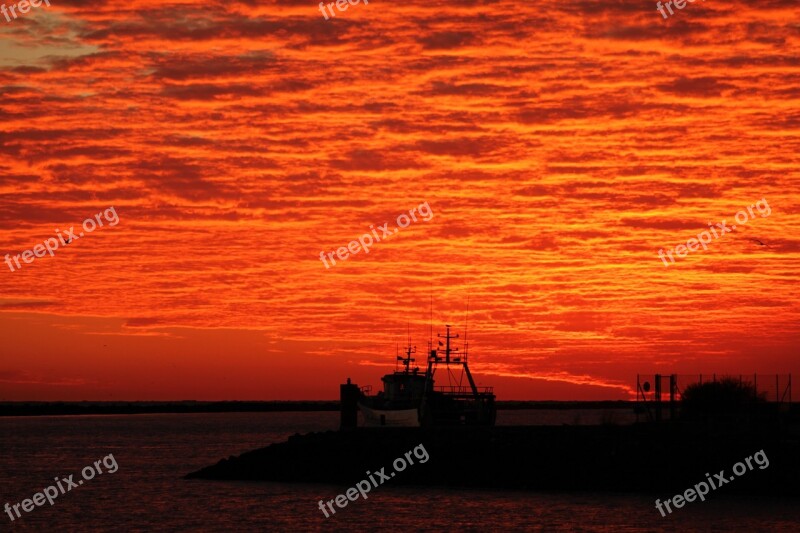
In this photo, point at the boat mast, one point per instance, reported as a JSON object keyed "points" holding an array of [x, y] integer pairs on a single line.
{"points": [[466, 327], [447, 348], [407, 360], [430, 342]]}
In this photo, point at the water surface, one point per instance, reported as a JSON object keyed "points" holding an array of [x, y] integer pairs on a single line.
{"points": [[147, 493]]}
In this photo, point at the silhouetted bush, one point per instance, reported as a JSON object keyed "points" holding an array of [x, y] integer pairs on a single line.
{"points": [[725, 397]]}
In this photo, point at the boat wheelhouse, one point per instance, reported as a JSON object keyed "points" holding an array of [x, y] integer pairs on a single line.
{"points": [[410, 398]]}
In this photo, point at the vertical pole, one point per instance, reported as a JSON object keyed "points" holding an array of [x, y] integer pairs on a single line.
{"points": [[658, 397], [431, 314], [673, 384], [447, 348], [349, 395]]}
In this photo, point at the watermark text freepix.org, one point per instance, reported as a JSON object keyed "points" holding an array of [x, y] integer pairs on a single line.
{"points": [[24, 6], [341, 5], [704, 237], [363, 486], [680, 4], [51, 244], [365, 241], [701, 489], [63, 485]]}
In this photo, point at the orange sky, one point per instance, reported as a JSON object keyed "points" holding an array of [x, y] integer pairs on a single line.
{"points": [[559, 145]]}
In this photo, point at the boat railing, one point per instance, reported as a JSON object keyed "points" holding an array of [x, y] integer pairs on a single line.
{"points": [[463, 389]]}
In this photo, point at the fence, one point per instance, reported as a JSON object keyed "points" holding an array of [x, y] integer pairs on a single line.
{"points": [[654, 390]]}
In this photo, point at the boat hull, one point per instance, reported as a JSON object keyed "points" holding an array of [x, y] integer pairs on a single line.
{"points": [[389, 417]]}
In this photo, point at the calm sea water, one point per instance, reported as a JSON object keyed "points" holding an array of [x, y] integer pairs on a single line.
{"points": [[154, 451]]}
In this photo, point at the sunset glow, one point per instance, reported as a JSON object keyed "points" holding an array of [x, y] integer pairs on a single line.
{"points": [[560, 145]]}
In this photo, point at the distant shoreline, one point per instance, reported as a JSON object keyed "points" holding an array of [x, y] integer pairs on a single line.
{"points": [[8, 409]]}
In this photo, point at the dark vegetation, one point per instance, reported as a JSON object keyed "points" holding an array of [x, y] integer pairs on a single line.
{"points": [[727, 399]]}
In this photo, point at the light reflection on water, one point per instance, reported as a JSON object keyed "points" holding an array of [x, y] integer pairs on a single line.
{"points": [[155, 451]]}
